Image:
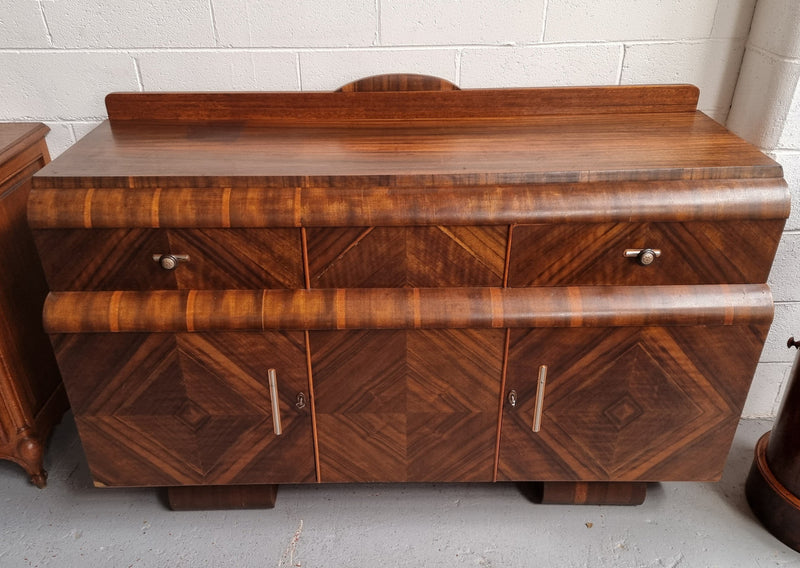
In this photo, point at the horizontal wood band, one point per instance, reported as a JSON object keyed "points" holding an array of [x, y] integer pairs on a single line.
{"points": [[386, 206], [408, 105], [406, 308]]}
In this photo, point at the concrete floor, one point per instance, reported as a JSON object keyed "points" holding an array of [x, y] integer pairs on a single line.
{"points": [[72, 524]]}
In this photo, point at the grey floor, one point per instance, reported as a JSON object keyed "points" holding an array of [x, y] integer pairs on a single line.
{"points": [[70, 523]]}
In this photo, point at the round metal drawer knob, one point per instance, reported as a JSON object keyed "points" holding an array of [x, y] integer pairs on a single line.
{"points": [[170, 261], [643, 256], [647, 256]]}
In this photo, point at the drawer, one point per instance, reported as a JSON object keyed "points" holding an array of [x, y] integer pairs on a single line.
{"points": [[123, 259], [392, 257], [698, 252]]}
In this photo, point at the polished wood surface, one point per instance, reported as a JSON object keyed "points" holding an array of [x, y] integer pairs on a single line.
{"points": [[783, 451], [32, 398], [409, 254], [773, 486], [776, 507], [406, 308], [189, 409], [399, 82], [423, 407], [546, 149], [682, 389], [590, 493], [205, 497], [122, 259], [411, 257], [716, 252], [379, 205], [349, 104]]}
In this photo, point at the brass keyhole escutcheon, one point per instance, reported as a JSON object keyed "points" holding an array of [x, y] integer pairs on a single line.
{"points": [[512, 398]]}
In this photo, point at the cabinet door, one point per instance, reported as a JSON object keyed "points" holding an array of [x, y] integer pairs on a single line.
{"points": [[190, 408], [399, 405], [624, 404]]}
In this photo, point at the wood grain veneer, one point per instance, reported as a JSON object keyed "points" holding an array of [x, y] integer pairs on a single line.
{"points": [[32, 397], [405, 308], [408, 254]]}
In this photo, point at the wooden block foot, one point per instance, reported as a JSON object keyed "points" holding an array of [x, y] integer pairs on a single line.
{"points": [[776, 507], [196, 498], [590, 493]]}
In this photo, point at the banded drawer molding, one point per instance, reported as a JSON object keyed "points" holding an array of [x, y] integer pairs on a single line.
{"points": [[403, 281]]}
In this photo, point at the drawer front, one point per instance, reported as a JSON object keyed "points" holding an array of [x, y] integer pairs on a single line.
{"points": [[123, 259], [190, 408], [392, 257], [732, 252]]}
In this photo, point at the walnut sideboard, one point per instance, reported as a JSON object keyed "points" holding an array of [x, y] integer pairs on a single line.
{"points": [[560, 285], [32, 397]]}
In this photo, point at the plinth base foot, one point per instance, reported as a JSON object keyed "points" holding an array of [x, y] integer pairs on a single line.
{"points": [[205, 497]]}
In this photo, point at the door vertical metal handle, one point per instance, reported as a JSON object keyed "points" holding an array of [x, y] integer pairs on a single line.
{"points": [[537, 413], [273, 395]]}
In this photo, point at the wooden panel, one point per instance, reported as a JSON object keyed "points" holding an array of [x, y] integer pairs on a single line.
{"points": [[396, 257], [122, 259], [399, 82], [733, 252], [32, 398], [349, 105], [406, 308], [104, 259], [238, 258], [479, 152], [424, 407], [188, 409], [351, 205], [627, 404]]}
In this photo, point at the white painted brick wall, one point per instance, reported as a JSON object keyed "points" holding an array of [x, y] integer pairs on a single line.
{"points": [[58, 58], [22, 25], [612, 20], [218, 71], [541, 65], [766, 111], [461, 22], [295, 23]]}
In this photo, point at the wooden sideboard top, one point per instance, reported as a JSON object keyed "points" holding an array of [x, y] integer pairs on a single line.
{"points": [[16, 135], [422, 139]]}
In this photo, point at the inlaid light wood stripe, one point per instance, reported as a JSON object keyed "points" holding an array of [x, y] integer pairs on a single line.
{"points": [[155, 207], [113, 310], [304, 245], [190, 309], [508, 255], [312, 398], [226, 207], [87, 208], [501, 403], [394, 308]]}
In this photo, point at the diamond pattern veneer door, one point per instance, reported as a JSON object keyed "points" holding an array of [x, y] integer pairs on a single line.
{"points": [[400, 405], [188, 409], [625, 404]]}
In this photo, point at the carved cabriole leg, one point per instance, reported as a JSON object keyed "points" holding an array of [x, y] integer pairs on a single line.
{"points": [[205, 497], [30, 455], [592, 493]]}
